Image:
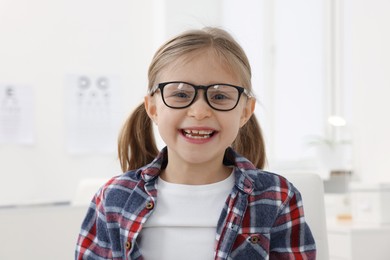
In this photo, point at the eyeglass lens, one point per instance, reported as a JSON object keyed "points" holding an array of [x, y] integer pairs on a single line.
{"points": [[179, 95]]}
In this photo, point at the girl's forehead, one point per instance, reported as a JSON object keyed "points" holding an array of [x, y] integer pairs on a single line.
{"points": [[207, 58], [195, 56]]}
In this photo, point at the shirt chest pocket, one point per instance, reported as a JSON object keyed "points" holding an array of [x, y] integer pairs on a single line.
{"points": [[251, 246]]}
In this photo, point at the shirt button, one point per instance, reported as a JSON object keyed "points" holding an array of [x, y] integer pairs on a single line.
{"points": [[254, 239], [128, 245], [149, 205]]}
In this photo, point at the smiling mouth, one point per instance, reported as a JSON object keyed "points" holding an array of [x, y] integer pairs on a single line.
{"points": [[198, 134]]}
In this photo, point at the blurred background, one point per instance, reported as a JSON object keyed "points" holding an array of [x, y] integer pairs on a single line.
{"points": [[72, 71]]}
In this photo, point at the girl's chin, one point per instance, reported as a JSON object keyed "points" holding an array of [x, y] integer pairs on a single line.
{"points": [[199, 156]]}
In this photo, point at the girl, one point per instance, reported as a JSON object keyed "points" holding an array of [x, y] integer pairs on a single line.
{"points": [[204, 196]]}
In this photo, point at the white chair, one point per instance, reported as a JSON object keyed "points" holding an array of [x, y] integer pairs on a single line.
{"points": [[311, 188]]}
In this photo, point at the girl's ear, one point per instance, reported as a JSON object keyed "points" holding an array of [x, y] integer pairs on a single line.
{"points": [[150, 107], [248, 110]]}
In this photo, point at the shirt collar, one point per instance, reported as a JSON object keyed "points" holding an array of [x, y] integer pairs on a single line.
{"points": [[241, 167]]}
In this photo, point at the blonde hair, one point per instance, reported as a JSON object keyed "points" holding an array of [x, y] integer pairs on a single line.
{"points": [[137, 146]]}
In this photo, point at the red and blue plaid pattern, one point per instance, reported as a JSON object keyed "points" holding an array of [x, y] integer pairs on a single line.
{"points": [[262, 219]]}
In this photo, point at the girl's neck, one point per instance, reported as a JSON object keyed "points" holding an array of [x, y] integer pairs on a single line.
{"points": [[195, 174]]}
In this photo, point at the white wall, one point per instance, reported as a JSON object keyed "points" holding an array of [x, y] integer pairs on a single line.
{"points": [[43, 41], [367, 76]]}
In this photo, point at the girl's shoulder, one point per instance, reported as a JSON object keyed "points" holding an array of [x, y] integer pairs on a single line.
{"points": [[273, 187], [126, 180], [118, 188], [265, 180]]}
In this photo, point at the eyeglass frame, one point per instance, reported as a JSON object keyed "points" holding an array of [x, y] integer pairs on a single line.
{"points": [[197, 87]]}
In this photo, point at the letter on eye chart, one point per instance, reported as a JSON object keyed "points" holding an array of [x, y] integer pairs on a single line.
{"points": [[16, 114]]}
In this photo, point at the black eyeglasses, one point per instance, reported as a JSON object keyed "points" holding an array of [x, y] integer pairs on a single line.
{"points": [[221, 97]]}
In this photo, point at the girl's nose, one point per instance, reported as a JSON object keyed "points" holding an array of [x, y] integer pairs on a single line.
{"points": [[200, 109]]}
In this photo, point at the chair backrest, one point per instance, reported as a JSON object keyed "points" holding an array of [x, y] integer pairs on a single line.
{"points": [[86, 189], [311, 188]]}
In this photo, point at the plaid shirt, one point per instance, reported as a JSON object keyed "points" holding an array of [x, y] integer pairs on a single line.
{"points": [[262, 218]]}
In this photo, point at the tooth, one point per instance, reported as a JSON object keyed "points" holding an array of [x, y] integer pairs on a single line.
{"points": [[197, 134]]}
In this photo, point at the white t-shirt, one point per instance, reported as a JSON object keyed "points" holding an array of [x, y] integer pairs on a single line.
{"points": [[183, 224]]}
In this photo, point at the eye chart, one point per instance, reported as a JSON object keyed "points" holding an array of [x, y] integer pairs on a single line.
{"points": [[16, 114], [92, 118]]}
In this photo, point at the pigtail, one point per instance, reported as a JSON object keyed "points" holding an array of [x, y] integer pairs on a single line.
{"points": [[136, 144], [250, 143]]}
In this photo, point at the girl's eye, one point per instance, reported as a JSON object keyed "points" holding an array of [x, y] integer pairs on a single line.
{"points": [[220, 96], [180, 94]]}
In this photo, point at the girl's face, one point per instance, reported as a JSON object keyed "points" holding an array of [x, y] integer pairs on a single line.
{"points": [[198, 134]]}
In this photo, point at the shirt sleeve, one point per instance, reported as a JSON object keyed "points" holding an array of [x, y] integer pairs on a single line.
{"points": [[93, 241], [291, 237]]}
